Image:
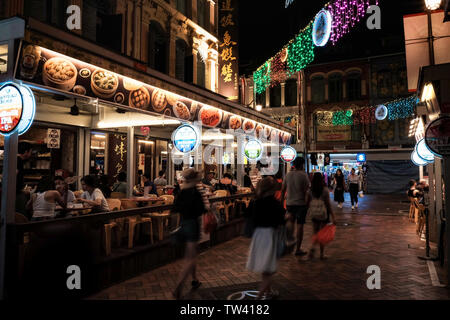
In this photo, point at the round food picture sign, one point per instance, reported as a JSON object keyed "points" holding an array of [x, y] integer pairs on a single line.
{"points": [[288, 154], [11, 106], [417, 160], [423, 152], [185, 138], [253, 150], [437, 136]]}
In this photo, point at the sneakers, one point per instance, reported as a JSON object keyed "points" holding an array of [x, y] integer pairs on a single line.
{"points": [[356, 206], [341, 205], [353, 207]]}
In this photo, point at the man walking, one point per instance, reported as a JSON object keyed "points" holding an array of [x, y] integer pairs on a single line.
{"points": [[296, 184]]}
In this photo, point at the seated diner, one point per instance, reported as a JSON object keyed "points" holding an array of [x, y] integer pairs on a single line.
{"points": [[92, 195]]}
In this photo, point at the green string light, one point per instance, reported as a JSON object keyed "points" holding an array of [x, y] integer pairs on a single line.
{"points": [[341, 118], [301, 50], [261, 78]]}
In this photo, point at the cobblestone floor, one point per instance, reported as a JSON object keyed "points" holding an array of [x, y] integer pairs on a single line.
{"points": [[378, 233]]}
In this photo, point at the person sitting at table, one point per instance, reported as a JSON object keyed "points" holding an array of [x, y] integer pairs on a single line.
{"points": [[93, 196], [63, 189], [105, 186], [121, 183], [43, 201], [149, 186], [226, 183], [161, 180], [247, 180], [208, 180]]}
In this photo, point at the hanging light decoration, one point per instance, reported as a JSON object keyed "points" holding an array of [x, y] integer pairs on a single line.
{"points": [[345, 15], [381, 112], [278, 69], [301, 50], [402, 108], [261, 78], [341, 118]]}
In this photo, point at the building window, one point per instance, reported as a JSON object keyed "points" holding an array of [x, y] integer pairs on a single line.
{"points": [[318, 89], [182, 6], [201, 13], [354, 86], [180, 63], [384, 84], [201, 69], [335, 87], [157, 47], [261, 98], [290, 93], [275, 97], [48, 11]]}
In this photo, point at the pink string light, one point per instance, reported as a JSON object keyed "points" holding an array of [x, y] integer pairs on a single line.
{"points": [[346, 13]]}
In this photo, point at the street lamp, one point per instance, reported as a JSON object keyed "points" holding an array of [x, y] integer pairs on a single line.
{"points": [[433, 4]]}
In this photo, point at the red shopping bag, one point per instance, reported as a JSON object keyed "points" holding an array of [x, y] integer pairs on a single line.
{"points": [[325, 235], [209, 222]]}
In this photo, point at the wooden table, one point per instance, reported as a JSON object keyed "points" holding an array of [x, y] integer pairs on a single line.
{"points": [[76, 211], [145, 199]]}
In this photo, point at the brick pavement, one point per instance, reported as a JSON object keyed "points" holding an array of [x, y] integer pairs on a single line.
{"points": [[377, 234]]}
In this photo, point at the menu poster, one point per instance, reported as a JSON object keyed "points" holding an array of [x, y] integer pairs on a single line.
{"points": [[53, 138], [51, 69], [117, 154], [228, 49]]}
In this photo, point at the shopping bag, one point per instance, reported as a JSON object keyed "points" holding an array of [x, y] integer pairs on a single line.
{"points": [[361, 194], [325, 235], [209, 222]]}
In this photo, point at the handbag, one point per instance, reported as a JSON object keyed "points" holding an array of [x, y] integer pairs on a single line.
{"points": [[209, 222], [317, 210], [280, 238], [325, 235]]}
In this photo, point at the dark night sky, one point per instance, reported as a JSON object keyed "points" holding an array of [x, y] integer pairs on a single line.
{"points": [[266, 26]]}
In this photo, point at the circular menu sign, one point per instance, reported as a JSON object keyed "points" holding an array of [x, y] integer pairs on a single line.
{"points": [[253, 149], [11, 106], [29, 110], [437, 136], [288, 154], [417, 160], [423, 152], [185, 138]]}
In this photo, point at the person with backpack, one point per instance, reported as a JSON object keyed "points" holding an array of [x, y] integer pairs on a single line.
{"points": [[319, 209]]}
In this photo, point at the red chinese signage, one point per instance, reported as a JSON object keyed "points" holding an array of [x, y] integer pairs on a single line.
{"points": [[228, 49]]}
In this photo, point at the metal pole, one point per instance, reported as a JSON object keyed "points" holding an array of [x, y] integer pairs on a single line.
{"points": [[430, 38], [8, 200]]}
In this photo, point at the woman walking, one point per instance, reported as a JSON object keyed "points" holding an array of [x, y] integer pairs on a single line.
{"points": [[319, 196], [191, 204], [267, 215], [339, 182], [353, 182]]}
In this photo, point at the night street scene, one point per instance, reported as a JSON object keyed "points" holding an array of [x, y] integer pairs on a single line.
{"points": [[224, 158]]}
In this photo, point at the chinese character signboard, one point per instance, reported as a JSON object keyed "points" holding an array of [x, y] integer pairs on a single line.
{"points": [[228, 49], [117, 154]]}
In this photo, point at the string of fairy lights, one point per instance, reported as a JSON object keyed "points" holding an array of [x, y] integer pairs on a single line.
{"points": [[299, 52], [398, 109]]}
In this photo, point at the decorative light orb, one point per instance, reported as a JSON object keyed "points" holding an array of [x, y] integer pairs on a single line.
{"points": [[433, 4], [258, 107], [381, 112], [349, 113]]}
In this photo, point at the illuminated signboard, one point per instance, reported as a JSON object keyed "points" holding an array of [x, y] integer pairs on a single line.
{"points": [[186, 138], [423, 152], [17, 108], [253, 150], [322, 28], [71, 75], [417, 160], [437, 136], [288, 154], [361, 157]]}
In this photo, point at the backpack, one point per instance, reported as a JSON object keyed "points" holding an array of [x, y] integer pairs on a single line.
{"points": [[317, 209]]}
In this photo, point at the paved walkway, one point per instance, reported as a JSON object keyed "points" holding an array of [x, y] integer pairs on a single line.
{"points": [[377, 234]]}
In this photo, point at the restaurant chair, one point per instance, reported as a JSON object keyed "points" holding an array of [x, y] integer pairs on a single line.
{"points": [[412, 209], [118, 195], [163, 217], [421, 219], [133, 221], [222, 205], [116, 224]]}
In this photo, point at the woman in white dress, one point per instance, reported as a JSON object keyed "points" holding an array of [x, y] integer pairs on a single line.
{"points": [[268, 215]]}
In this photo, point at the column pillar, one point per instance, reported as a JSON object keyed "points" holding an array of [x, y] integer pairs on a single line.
{"points": [[172, 51], [194, 65], [267, 97], [283, 94]]}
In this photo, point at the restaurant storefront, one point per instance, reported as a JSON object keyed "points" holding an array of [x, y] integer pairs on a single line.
{"points": [[97, 116]]}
